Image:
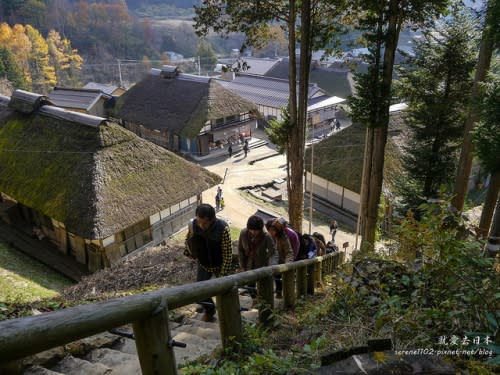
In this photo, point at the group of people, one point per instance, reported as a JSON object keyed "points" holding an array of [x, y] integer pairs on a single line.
{"points": [[259, 245], [335, 124], [246, 148]]}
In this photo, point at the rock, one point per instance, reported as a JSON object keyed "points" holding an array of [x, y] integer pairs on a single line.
{"points": [[121, 363], [46, 358], [387, 362], [37, 370], [76, 366]]}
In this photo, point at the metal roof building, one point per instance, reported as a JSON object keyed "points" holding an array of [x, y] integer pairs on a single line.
{"points": [[271, 94]]}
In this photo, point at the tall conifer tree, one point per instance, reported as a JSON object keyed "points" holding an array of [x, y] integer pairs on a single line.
{"points": [[436, 83]]}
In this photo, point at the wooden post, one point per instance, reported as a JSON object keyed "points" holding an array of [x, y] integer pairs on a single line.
{"points": [[229, 314], [265, 293], [152, 339], [10, 368], [310, 279], [301, 281], [318, 278], [289, 295], [336, 259], [330, 264]]}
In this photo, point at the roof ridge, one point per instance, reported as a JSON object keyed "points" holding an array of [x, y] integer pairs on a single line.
{"points": [[80, 118]]}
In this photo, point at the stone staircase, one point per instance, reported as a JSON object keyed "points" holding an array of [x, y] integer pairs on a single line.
{"points": [[111, 353]]}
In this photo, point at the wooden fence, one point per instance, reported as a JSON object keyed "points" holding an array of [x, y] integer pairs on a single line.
{"points": [[148, 313]]}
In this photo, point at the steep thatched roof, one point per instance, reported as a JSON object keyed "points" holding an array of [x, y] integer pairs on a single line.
{"points": [[180, 104], [339, 158], [95, 176]]}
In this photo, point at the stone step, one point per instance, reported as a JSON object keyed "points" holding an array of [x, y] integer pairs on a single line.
{"points": [[76, 366], [120, 362], [38, 370], [110, 353]]}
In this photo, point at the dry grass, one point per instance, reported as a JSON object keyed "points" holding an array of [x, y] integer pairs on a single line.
{"points": [[156, 267]]}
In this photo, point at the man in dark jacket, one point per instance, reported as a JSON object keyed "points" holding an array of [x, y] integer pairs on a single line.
{"points": [[209, 242]]}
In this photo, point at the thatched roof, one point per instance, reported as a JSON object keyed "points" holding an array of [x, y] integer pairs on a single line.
{"points": [[94, 176], [339, 158], [180, 104]]}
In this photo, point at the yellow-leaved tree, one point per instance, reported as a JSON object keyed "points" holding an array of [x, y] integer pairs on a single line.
{"points": [[16, 40], [66, 61], [42, 73]]}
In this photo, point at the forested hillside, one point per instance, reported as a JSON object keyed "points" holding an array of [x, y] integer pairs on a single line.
{"points": [[101, 33], [134, 4]]}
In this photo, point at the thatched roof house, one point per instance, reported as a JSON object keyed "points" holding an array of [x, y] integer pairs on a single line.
{"points": [[92, 177], [184, 112], [338, 164]]}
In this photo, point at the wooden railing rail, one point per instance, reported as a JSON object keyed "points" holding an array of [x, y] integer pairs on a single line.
{"points": [[149, 313]]}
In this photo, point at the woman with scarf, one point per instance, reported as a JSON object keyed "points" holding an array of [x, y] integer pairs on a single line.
{"points": [[255, 247]]}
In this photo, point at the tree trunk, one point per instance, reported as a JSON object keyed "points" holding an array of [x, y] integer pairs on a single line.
{"points": [[292, 84], [297, 136], [492, 246], [377, 137], [483, 65], [489, 205]]}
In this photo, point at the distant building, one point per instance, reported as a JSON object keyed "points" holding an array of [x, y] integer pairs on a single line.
{"points": [[95, 189], [173, 56], [271, 95], [105, 88]]}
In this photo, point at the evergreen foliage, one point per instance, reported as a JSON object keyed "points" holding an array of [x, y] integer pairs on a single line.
{"points": [[487, 133], [436, 83], [207, 56], [381, 23], [10, 70], [277, 131]]}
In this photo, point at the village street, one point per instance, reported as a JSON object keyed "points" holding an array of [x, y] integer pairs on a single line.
{"points": [[238, 173]]}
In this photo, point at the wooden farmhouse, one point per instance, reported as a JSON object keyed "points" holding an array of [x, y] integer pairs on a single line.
{"points": [[185, 113], [97, 190]]}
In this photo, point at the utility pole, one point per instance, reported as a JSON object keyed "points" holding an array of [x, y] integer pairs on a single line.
{"points": [[311, 180], [120, 72], [358, 222]]}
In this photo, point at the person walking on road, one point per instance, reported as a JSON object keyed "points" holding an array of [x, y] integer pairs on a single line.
{"points": [[333, 229], [245, 149], [218, 199], [230, 150], [209, 242], [255, 247]]}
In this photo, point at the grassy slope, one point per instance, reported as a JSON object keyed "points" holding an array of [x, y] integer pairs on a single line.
{"points": [[24, 280]]}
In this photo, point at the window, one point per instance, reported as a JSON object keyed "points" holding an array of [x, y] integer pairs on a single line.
{"points": [[135, 236]]}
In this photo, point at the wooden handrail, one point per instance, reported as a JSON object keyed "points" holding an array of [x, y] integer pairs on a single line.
{"points": [[22, 337]]}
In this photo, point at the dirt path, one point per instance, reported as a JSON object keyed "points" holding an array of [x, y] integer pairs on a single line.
{"points": [[240, 173]]}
